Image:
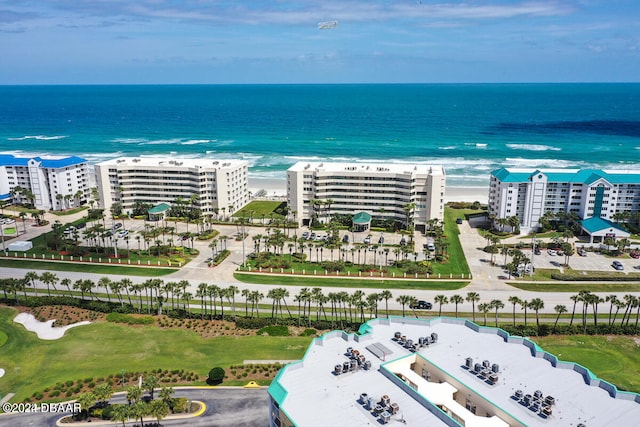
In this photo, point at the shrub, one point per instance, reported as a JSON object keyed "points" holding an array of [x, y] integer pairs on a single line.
{"points": [[308, 332], [216, 375], [274, 331]]}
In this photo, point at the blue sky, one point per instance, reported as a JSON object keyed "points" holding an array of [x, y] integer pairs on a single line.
{"points": [[224, 41]]}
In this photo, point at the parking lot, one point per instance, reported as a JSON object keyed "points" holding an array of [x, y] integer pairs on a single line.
{"points": [[592, 262]]}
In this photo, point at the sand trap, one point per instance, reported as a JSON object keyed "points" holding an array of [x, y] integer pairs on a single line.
{"points": [[44, 330], [1, 372]]}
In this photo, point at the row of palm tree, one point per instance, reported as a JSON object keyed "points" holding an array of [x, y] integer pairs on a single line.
{"points": [[333, 306]]}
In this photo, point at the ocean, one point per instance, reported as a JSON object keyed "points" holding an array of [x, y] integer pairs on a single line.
{"points": [[471, 129]]}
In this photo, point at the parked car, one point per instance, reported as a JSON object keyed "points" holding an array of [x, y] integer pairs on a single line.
{"points": [[312, 236], [635, 254], [9, 220], [117, 226], [403, 241], [209, 260], [123, 233], [552, 252], [381, 240], [305, 235], [459, 221], [367, 240], [582, 252], [618, 265], [345, 238], [422, 305], [537, 252]]}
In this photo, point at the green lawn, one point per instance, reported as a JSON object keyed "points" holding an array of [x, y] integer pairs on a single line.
{"points": [[577, 287], [86, 268], [615, 359], [106, 348], [69, 211], [260, 208], [311, 281], [457, 262]]}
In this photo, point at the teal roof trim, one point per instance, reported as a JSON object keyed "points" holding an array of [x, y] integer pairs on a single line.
{"points": [[595, 224], [361, 218], [583, 176], [159, 208]]}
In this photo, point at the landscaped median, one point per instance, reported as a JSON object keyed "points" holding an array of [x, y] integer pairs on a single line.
{"points": [[85, 267], [347, 282]]}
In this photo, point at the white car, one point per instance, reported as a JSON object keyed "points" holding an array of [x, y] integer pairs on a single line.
{"points": [[9, 220], [123, 233]]}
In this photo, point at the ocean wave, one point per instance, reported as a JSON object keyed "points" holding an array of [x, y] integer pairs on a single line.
{"points": [[129, 140], [172, 141], [543, 163], [38, 137], [448, 147], [197, 141], [533, 147]]}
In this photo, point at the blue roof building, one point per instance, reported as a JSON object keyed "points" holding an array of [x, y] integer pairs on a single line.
{"points": [[47, 182], [587, 193]]}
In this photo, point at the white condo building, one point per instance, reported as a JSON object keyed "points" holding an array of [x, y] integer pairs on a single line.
{"points": [[219, 184], [380, 189], [589, 193], [56, 182]]}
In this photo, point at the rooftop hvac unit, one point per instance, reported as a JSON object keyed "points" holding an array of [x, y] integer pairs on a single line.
{"points": [[371, 403], [486, 363], [364, 398], [385, 417], [361, 358], [537, 394], [395, 408], [403, 339], [477, 368], [377, 409], [385, 400], [493, 378], [397, 335], [495, 368], [550, 400], [349, 350], [469, 362], [421, 340], [345, 366], [337, 369], [527, 399], [434, 337], [353, 365], [367, 365], [546, 410], [409, 343], [518, 394]]}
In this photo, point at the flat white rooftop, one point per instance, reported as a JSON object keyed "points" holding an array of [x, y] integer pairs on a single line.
{"points": [[369, 168], [312, 394], [173, 163]]}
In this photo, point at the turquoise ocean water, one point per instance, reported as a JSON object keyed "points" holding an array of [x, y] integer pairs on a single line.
{"points": [[470, 129]]}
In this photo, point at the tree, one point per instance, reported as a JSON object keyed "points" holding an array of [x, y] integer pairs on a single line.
{"points": [[484, 309], [473, 298], [103, 392], [134, 394], [216, 376], [514, 300], [158, 410], [524, 305], [456, 299], [138, 411], [386, 296], [166, 395], [149, 384], [559, 309], [120, 413], [496, 304], [403, 300], [86, 401], [536, 305], [441, 299]]}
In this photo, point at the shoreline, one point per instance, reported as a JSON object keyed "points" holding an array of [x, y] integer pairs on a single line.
{"points": [[277, 188]]}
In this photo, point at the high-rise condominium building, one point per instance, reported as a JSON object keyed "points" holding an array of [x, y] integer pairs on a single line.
{"points": [[588, 193], [386, 191], [55, 182], [220, 185]]}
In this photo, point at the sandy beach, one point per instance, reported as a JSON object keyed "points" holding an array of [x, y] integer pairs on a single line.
{"points": [[278, 188]]}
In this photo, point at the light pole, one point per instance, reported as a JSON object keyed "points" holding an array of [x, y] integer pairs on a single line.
{"points": [[533, 252], [4, 248], [244, 260]]}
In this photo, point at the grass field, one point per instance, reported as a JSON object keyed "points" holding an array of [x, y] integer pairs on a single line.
{"points": [[86, 268], [260, 208], [268, 279], [613, 358], [577, 287], [106, 348], [457, 261]]}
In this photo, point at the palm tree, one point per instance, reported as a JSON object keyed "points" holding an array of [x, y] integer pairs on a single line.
{"points": [[86, 401], [49, 278], [159, 410], [524, 305], [386, 296], [575, 299], [105, 283], [536, 305], [31, 277], [484, 308], [231, 293], [134, 394], [149, 384], [440, 299], [120, 413], [403, 300], [496, 304], [558, 309], [514, 300], [473, 298], [456, 299]]}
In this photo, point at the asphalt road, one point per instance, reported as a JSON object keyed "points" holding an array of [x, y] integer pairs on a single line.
{"points": [[226, 407]]}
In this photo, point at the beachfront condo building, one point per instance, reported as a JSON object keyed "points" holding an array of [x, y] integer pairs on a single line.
{"points": [[380, 190], [48, 182], [594, 195], [221, 186]]}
